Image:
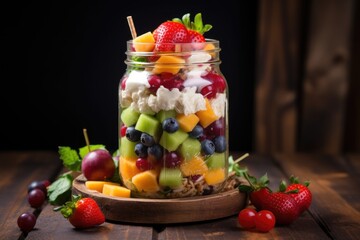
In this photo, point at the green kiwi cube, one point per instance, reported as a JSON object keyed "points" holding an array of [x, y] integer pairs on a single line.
{"points": [[129, 116], [149, 125], [171, 141], [163, 114], [170, 177], [189, 148], [127, 148], [216, 160]]}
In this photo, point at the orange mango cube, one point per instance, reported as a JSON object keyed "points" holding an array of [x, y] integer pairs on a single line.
{"points": [[116, 191], [207, 116], [144, 42], [194, 166], [187, 122], [127, 168], [97, 185], [146, 181], [171, 64], [215, 176]]}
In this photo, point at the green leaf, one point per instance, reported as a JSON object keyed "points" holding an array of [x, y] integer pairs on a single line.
{"points": [[186, 20], [177, 20], [116, 176], [59, 191], [85, 150], [206, 28], [70, 158], [245, 188], [282, 186], [198, 23]]}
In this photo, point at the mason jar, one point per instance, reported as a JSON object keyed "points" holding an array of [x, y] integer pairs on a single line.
{"points": [[173, 120]]}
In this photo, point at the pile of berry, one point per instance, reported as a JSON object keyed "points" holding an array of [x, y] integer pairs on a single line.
{"points": [[37, 194]]}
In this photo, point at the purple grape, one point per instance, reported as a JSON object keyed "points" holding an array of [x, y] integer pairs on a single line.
{"points": [[26, 222], [172, 160], [37, 184], [36, 198]]}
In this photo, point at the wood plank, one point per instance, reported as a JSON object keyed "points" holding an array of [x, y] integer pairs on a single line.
{"points": [[278, 73], [336, 192], [352, 126], [17, 170], [326, 76], [53, 226], [229, 229]]}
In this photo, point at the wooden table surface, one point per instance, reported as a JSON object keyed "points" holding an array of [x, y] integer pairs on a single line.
{"points": [[334, 213]]}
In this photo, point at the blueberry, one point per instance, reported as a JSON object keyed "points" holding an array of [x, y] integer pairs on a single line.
{"points": [[147, 139], [220, 144], [170, 125], [155, 151], [141, 150], [196, 132], [132, 134], [207, 147]]}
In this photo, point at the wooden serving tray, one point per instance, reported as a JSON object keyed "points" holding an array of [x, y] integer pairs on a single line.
{"points": [[165, 211]]}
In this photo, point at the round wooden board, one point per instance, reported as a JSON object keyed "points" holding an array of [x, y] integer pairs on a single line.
{"points": [[165, 211]]}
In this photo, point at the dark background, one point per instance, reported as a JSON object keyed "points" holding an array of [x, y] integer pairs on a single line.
{"points": [[61, 64]]}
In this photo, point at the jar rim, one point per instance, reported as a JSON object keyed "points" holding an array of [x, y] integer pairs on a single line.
{"points": [[209, 46]]}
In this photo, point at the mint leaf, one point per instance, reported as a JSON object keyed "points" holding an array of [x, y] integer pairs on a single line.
{"points": [[59, 191], [85, 150], [70, 158]]}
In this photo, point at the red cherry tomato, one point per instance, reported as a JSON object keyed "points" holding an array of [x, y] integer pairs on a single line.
{"points": [[246, 218], [264, 221]]}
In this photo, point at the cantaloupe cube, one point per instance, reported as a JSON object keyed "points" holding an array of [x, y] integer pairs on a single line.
{"points": [[146, 181], [171, 64], [116, 191], [97, 185], [187, 122], [215, 176], [210, 47], [144, 42], [194, 166], [127, 168], [107, 188], [206, 116]]}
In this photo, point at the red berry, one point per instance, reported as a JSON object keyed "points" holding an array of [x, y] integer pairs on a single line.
{"points": [[143, 164], [123, 83], [26, 222], [208, 91], [36, 198], [264, 221], [155, 83], [123, 131], [246, 218], [215, 129], [218, 82]]}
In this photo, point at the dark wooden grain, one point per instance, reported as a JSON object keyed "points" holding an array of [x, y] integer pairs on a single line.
{"points": [[228, 228], [17, 170], [326, 76], [52, 225], [278, 73], [336, 192]]}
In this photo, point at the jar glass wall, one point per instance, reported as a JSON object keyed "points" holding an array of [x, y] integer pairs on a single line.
{"points": [[173, 120]]}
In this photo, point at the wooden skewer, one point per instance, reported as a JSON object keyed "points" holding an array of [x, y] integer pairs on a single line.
{"points": [[132, 27], [86, 139]]}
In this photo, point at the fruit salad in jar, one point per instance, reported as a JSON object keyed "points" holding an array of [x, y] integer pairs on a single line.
{"points": [[173, 107]]}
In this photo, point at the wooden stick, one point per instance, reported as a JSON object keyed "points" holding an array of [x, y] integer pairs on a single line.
{"points": [[86, 139], [132, 27]]}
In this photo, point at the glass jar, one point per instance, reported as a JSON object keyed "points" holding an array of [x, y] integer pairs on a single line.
{"points": [[173, 120]]}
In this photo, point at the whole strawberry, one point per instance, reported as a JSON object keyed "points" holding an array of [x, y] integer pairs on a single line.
{"points": [[82, 212], [282, 205], [168, 33], [196, 29], [300, 192]]}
